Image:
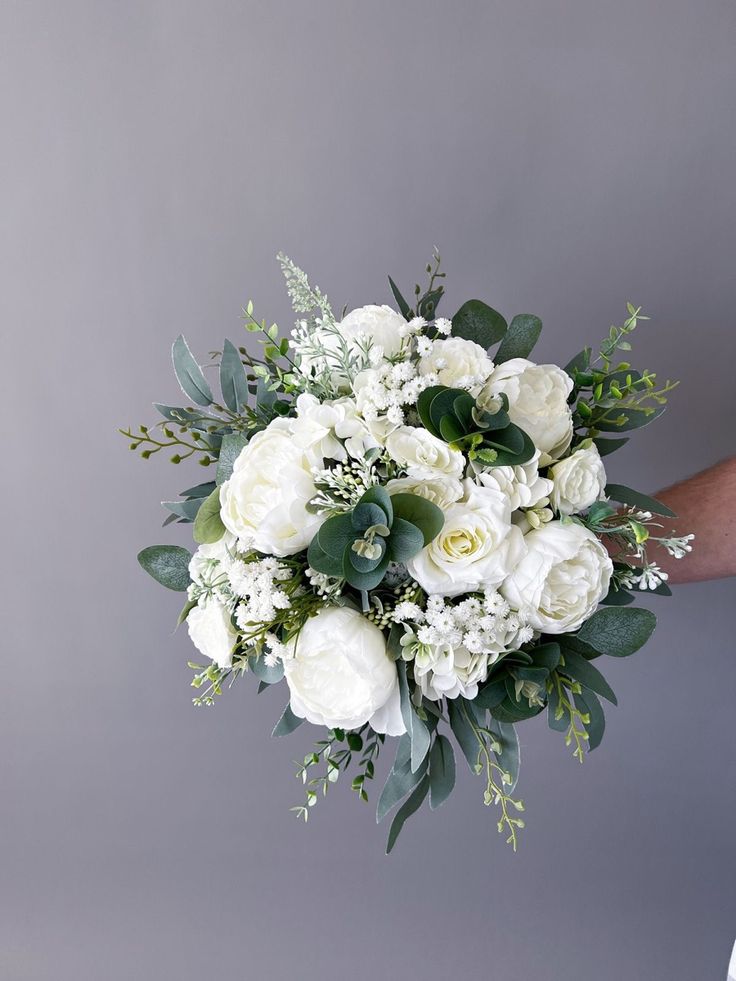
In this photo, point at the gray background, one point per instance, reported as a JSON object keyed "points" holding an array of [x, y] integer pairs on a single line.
{"points": [[566, 156]]}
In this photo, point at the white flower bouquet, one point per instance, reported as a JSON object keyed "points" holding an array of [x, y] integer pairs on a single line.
{"points": [[410, 524]]}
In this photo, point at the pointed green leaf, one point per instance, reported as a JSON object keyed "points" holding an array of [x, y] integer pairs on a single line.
{"points": [[625, 495], [400, 780], [441, 772], [588, 703], [287, 723], [577, 668], [233, 382], [412, 804], [415, 727], [208, 526], [189, 374], [406, 311]]}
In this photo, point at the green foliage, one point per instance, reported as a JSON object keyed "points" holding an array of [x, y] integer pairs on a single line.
{"points": [[406, 311], [233, 380], [625, 495], [412, 804], [520, 338], [617, 632], [417, 730], [476, 321], [401, 779], [453, 415], [441, 771], [188, 373], [208, 526], [231, 448], [358, 545], [287, 723], [167, 564]]}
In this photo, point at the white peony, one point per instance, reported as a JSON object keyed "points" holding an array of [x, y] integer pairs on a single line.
{"points": [[423, 455], [476, 548], [443, 670], [523, 484], [579, 480], [212, 632], [340, 675], [442, 491], [458, 363], [537, 395], [379, 326], [561, 579], [265, 499]]}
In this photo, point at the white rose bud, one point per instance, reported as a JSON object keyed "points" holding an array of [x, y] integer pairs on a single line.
{"points": [[562, 578], [340, 675], [265, 500], [442, 491], [212, 633], [579, 480], [423, 455], [458, 363], [537, 395], [476, 548]]}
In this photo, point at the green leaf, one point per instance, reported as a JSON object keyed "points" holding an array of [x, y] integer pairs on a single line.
{"points": [[441, 771], [412, 804], [189, 374], [476, 321], [491, 695], [588, 703], [321, 561], [415, 727], [363, 580], [577, 668], [168, 564], [625, 495], [233, 382], [361, 563], [581, 362], [187, 609], [208, 526], [265, 398], [606, 446], [406, 540], [553, 704], [618, 632], [201, 490], [462, 729], [428, 304], [617, 596], [522, 335], [232, 446], [287, 723], [336, 534], [406, 310], [186, 510], [509, 757], [546, 656], [381, 497], [367, 515], [269, 674], [400, 780], [424, 404]]}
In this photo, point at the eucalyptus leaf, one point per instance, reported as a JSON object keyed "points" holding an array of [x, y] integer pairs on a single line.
{"points": [[189, 374], [618, 632], [625, 495], [406, 311], [399, 783], [232, 446], [415, 727], [233, 382], [287, 723], [441, 771], [459, 711], [509, 756], [268, 674], [588, 703], [186, 510], [168, 565], [412, 804], [476, 321], [607, 446], [577, 668], [634, 419], [520, 338]]}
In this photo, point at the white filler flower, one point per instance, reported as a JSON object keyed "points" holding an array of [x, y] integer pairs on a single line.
{"points": [[476, 548], [265, 500], [537, 395], [579, 480], [562, 578], [340, 675], [212, 633]]}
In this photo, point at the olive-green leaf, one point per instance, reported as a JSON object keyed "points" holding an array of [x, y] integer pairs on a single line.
{"points": [[618, 631], [167, 564], [625, 495], [233, 383], [189, 374], [476, 321], [208, 526], [441, 771], [520, 338]]}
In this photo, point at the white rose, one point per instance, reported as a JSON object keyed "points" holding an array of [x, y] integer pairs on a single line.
{"points": [[476, 548], [523, 484], [537, 395], [423, 455], [212, 632], [442, 491], [579, 480], [443, 670], [457, 363], [562, 578], [340, 675], [265, 499]]}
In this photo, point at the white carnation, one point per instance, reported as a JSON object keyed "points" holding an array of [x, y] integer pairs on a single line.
{"points": [[340, 675], [579, 480], [423, 455], [523, 484], [442, 491], [476, 548], [330, 429], [212, 632], [537, 395], [445, 671], [563, 576], [265, 500], [457, 363]]}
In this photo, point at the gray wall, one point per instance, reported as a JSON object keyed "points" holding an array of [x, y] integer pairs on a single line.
{"points": [[566, 156]]}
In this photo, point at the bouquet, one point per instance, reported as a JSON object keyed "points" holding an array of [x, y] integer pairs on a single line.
{"points": [[411, 525]]}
